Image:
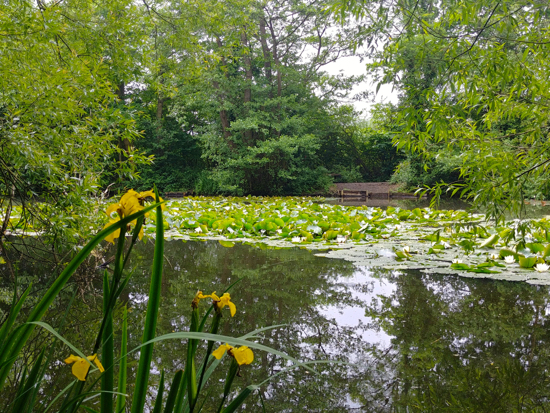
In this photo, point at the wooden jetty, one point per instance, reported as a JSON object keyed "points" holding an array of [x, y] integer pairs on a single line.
{"points": [[170, 195], [371, 190]]}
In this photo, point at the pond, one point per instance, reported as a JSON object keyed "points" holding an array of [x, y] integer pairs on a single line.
{"points": [[407, 341]]}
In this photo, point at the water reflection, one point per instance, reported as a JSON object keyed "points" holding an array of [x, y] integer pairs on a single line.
{"points": [[410, 341]]}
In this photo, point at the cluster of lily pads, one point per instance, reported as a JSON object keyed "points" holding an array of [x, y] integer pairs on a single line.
{"points": [[429, 240]]}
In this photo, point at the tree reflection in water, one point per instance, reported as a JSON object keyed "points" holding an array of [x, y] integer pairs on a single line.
{"points": [[410, 341]]}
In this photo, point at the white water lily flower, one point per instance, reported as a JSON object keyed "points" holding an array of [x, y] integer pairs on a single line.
{"points": [[541, 267], [407, 249], [296, 239], [494, 256], [340, 239], [446, 245], [509, 259], [457, 261], [385, 236], [198, 229]]}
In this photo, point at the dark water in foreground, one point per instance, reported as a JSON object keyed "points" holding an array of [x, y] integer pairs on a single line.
{"points": [[409, 341]]}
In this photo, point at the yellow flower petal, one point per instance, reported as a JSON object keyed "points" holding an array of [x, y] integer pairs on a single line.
{"points": [[220, 351], [146, 194], [71, 359], [232, 308], [112, 208], [243, 355], [226, 300], [81, 366], [151, 194], [130, 203], [200, 295], [111, 237], [97, 362]]}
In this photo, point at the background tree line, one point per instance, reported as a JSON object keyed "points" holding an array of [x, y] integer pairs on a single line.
{"points": [[233, 98]]}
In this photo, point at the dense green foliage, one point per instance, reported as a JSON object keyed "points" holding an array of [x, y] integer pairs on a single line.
{"points": [[260, 112], [61, 123], [474, 87]]}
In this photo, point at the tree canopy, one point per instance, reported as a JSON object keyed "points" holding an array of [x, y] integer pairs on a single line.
{"points": [[473, 83]]}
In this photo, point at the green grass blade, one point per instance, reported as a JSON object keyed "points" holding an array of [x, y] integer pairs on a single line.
{"points": [[64, 340], [6, 327], [142, 376], [29, 384], [56, 287], [61, 393], [190, 362], [107, 351], [38, 392], [237, 401], [158, 401], [172, 395], [253, 334], [234, 341], [182, 392], [21, 387], [121, 400]]}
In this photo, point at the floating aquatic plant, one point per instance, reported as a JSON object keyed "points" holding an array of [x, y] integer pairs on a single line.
{"points": [[395, 238]]}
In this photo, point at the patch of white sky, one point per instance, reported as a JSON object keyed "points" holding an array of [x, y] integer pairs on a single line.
{"points": [[353, 66]]}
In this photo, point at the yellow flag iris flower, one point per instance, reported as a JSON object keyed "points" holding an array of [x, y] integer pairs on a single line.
{"points": [[242, 355], [219, 302], [130, 203], [81, 366]]}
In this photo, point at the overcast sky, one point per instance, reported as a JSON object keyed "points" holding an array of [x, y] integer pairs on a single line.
{"points": [[353, 66]]}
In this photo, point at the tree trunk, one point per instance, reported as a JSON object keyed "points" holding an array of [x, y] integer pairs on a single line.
{"points": [[223, 113], [248, 88], [123, 144], [278, 75], [265, 50]]}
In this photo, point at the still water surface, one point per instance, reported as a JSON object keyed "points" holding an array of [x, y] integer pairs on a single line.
{"points": [[411, 341], [408, 341]]}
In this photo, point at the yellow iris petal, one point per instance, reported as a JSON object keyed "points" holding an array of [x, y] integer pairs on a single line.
{"points": [[243, 355], [220, 351], [71, 359], [200, 295], [220, 302], [81, 366], [226, 300], [151, 194], [130, 203], [115, 234], [97, 362], [146, 194], [112, 208], [232, 308]]}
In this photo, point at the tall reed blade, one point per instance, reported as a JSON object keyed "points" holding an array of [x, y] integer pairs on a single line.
{"points": [[6, 327], [121, 400], [17, 341], [107, 352], [158, 402], [142, 376], [174, 388], [27, 386]]}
